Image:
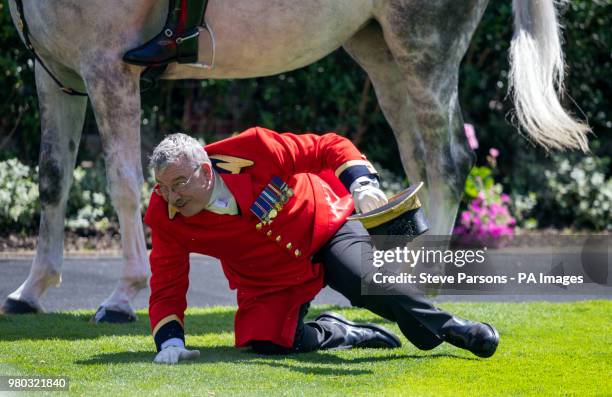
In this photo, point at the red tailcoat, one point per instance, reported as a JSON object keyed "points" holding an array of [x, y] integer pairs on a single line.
{"points": [[269, 265]]}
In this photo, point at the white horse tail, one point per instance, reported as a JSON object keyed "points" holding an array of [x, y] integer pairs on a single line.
{"points": [[536, 77]]}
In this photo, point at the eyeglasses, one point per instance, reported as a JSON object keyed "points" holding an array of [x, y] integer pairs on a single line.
{"points": [[178, 187]]}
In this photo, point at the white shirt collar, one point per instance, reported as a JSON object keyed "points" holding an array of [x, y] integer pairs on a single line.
{"points": [[221, 200]]}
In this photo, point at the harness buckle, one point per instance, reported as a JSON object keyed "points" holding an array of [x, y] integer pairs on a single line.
{"points": [[191, 36]]}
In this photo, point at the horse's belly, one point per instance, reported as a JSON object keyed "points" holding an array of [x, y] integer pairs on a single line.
{"points": [[264, 37]]}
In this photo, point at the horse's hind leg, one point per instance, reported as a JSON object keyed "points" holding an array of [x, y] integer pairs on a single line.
{"points": [[62, 119], [369, 49], [427, 154], [114, 93], [412, 57]]}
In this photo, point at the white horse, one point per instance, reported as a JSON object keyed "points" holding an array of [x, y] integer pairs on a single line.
{"points": [[411, 50]]}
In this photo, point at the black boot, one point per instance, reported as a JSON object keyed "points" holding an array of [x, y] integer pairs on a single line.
{"points": [[178, 41], [357, 334], [479, 338]]}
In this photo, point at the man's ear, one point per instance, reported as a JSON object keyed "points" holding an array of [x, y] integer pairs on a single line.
{"points": [[207, 169]]}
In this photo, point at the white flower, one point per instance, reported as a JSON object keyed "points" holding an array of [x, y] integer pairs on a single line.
{"points": [[577, 174], [597, 178]]}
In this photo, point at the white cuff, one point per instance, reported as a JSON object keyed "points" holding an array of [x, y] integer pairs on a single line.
{"points": [[363, 181], [173, 342]]}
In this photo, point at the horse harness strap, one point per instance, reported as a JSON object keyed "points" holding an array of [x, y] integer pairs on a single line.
{"points": [[26, 36], [152, 73]]}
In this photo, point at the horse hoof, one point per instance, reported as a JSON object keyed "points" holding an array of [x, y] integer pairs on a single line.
{"points": [[104, 315], [13, 306]]}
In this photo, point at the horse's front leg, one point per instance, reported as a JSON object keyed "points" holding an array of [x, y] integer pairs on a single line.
{"points": [[62, 119], [114, 93]]}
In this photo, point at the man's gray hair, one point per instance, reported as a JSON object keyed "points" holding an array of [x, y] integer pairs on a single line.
{"points": [[175, 148]]}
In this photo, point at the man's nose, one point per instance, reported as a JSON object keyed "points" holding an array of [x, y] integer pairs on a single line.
{"points": [[173, 196]]}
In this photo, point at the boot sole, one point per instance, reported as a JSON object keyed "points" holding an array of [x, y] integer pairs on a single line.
{"points": [[382, 330], [150, 64]]}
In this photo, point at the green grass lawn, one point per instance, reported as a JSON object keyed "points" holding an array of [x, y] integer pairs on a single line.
{"points": [[545, 349]]}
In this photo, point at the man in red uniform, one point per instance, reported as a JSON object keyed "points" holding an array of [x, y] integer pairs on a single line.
{"points": [[273, 208]]}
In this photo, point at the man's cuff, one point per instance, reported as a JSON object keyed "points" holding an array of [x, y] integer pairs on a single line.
{"points": [[353, 169], [173, 342], [168, 328]]}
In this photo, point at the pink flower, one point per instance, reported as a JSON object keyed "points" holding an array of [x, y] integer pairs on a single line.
{"points": [[476, 208], [505, 198], [496, 231], [496, 209], [470, 133], [494, 152], [466, 218]]}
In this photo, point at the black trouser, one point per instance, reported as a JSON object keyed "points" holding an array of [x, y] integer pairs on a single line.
{"points": [[309, 336], [346, 258]]}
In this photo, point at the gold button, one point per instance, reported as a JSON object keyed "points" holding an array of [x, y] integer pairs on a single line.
{"points": [[297, 253], [269, 233], [258, 226], [289, 245], [278, 239]]}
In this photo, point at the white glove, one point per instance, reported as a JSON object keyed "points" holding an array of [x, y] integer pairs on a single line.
{"points": [[366, 194], [172, 354]]}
